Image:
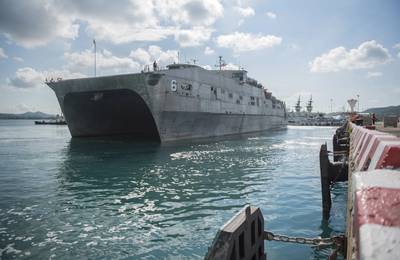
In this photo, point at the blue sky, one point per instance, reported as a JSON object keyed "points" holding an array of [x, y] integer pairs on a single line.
{"points": [[328, 49]]}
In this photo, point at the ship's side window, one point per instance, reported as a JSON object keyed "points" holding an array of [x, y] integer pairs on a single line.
{"points": [[252, 101], [230, 95], [240, 97], [237, 101]]}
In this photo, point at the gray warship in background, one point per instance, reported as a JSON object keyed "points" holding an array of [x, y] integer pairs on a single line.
{"points": [[181, 102]]}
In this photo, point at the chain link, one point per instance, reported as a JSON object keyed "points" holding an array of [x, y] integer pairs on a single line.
{"points": [[336, 240]]}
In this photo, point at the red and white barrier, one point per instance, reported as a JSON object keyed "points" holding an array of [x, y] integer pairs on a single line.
{"points": [[375, 193], [374, 150], [387, 156], [376, 215], [366, 155]]}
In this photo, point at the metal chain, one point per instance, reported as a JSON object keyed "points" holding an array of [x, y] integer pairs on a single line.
{"points": [[336, 240]]}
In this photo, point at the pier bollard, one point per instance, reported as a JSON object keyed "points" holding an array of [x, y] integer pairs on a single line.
{"points": [[242, 237], [325, 182], [330, 173]]}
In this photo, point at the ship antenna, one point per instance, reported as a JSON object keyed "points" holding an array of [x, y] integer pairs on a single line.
{"points": [[221, 63], [94, 43]]}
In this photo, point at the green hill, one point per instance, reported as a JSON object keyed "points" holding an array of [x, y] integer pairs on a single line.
{"points": [[384, 111], [27, 115]]}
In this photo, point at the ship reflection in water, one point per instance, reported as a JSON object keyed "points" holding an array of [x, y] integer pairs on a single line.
{"points": [[114, 198]]}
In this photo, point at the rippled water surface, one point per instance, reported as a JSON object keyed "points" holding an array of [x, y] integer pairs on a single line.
{"points": [[66, 198]]}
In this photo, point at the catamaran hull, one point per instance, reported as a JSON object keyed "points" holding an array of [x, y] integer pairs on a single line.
{"points": [[129, 105]]}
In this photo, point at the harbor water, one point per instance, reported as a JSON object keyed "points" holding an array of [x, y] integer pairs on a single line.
{"points": [[67, 198]]}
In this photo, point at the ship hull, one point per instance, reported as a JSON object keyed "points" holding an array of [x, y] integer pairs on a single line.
{"points": [[141, 105], [108, 112], [195, 125]]}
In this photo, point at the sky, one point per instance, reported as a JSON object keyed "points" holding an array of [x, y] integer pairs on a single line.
{"points": [[330, 50]]}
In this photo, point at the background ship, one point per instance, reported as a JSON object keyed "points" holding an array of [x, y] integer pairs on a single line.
{"points": [[310, 118], [183, 101]]}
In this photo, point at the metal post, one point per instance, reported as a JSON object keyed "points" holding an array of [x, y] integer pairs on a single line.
{"points": [[95, 54], [358, 103]]}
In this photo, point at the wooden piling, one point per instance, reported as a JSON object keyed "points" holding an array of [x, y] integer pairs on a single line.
{"points": [[325, 182]]}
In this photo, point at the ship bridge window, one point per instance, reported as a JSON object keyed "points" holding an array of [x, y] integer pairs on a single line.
{"points": [[240, 97], [230, 95], [238, 75]]}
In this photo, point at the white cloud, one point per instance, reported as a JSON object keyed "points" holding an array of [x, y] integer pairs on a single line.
{"points": [[126, 33], [397, 47], [193, 37], [106, 62], [2, 54], [271, 15], [186, 12], [242, 42], [142, 56], [208, 51], [244, 11], [22, 108], [154, 53], [207, 67], [28, 77], [368, 55], [118, 22], [18, 59], [374, 74], [34, 23]]}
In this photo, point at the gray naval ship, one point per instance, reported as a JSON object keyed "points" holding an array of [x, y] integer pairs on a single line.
{"points": [[180, 102]]}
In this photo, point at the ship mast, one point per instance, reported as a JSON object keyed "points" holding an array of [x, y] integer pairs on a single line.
{"points": [[298, 107], [309, 105], [221, 62]]}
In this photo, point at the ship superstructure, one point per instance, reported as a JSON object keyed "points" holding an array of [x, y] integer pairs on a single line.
{"points": [[181, 102]]}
